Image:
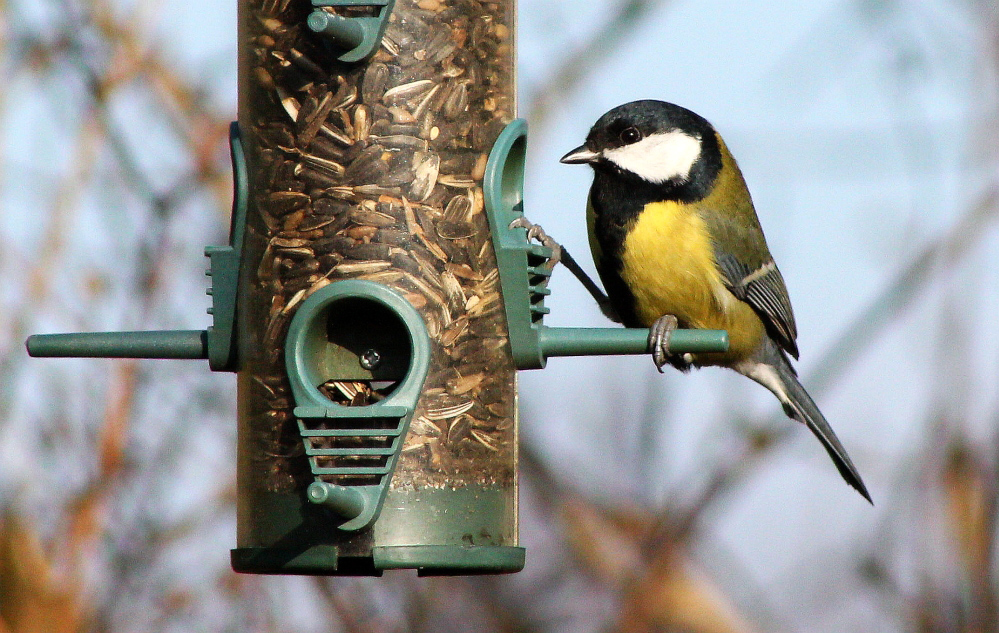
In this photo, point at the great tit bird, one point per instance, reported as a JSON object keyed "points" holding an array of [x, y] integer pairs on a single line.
{"points": [[677, 243]]}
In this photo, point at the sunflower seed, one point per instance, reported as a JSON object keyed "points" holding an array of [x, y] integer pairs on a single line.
{"points": [[405, 92], [426, 168]]}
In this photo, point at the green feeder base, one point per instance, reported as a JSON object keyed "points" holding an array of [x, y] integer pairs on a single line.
{"points": [[427, 560]]}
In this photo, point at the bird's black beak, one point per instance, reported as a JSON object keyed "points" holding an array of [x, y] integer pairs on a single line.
{"points": [[579, 156]]}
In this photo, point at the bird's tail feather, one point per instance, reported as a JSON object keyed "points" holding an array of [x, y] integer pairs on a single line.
{"points": [[800, 406], [771, 368]]}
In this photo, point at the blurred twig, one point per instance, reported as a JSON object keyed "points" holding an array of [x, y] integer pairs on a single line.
{"points": [[91, 508], [661, 586], [34, 596], [39, 276]]}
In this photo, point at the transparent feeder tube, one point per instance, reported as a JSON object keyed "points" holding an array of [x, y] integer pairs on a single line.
{"points": [[373, 171]]}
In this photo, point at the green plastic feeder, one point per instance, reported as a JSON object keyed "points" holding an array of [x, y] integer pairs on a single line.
{"points": [[325, 481]]}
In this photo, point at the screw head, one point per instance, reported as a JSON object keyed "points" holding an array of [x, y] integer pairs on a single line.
{"points": [[318, 20], [370, 359], [317, 492]]}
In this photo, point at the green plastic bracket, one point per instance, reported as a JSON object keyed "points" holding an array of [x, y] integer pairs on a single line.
{"points": [[225, 263], [346, 331], [524, 276], [356, 37], [217, 343]]}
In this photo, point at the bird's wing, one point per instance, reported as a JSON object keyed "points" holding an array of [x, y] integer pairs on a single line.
{"points": [[749, 273], [763, 289]]}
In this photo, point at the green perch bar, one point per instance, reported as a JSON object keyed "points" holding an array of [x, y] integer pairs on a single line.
{"points": [[193, 344], [581, 341], [154, 344]]}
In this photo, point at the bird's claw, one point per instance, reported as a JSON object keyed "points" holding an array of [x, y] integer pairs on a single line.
{"points": [[535, 232], [659, 334]]}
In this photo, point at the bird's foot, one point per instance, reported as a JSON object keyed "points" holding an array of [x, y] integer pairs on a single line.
{"points": [[659, 334], [535, 232]]}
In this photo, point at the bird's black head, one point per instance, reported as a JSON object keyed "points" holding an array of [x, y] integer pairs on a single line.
{"points": [[654, 143]]}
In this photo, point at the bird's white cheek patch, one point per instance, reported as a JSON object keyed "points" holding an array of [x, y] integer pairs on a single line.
{"points": [[658, 157]]}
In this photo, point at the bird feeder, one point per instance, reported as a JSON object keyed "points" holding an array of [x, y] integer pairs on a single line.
{"points": [[376, 296]]}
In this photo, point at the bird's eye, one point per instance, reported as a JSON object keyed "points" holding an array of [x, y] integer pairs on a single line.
{"points": [[630, 135]]}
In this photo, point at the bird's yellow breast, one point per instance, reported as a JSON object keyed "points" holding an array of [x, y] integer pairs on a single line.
{"points": [[668, 263]]}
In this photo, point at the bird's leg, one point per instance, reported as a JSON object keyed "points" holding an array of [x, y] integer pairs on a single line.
{"points": [[560, 255], [659, 334], [598, 295], [535, 232]]}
